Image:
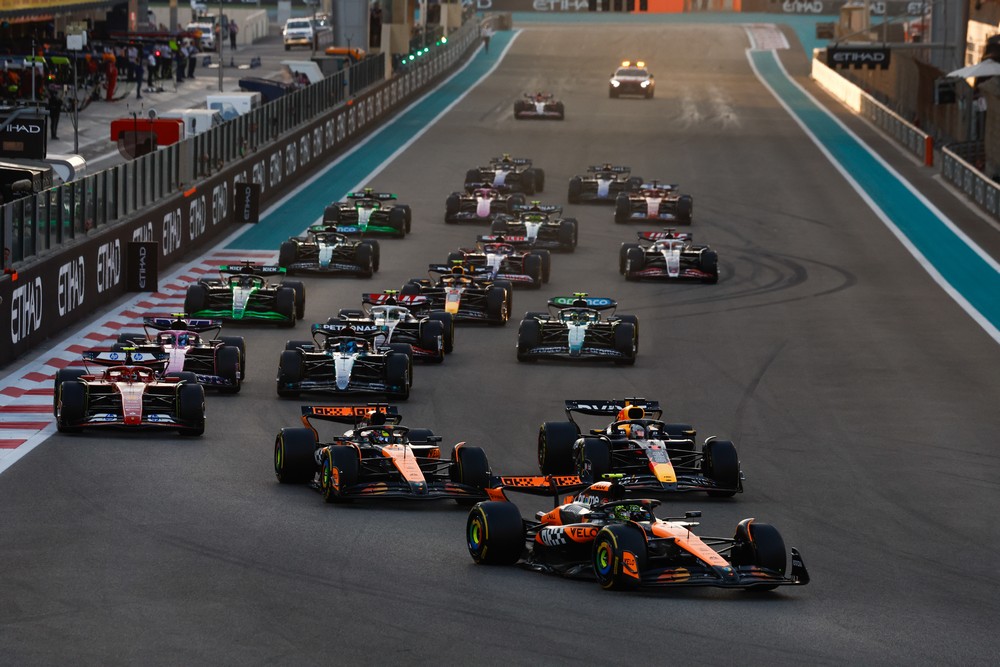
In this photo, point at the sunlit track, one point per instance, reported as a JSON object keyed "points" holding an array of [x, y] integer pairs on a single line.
{"points": [[861, 398]]}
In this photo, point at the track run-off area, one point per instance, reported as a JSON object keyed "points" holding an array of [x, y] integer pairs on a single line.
{"points": [[849, 350]]}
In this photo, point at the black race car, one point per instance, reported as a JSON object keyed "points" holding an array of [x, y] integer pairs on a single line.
{"points": [[668, 255], [599, 534], [632, 79], [325, 250], [133, 392], [517, 263], [217, 362], [245, 293], [481, 202], [539, 105], [514, 173], [602, 183], [653, 456], [391, 317], [542, 225], [339, 362], [468, 293], [652, 202], [369, 213], [576, 328], [377, 458]]}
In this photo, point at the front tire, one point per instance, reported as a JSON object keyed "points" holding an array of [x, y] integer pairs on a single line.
{"points": [[620, 556], [495, 533], [294, 456], [339, 472]]}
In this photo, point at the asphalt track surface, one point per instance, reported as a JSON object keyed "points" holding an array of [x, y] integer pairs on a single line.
{"points": [[861, 397]]}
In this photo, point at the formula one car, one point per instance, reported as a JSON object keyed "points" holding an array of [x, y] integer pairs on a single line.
{"points": [[337, 361], [369, 213], [539, 105], [574, 328], [631, 79], [542, 225], [325, 250], [468, 293], [602, 183], [481, 203], [218, 362], [132, 392], [377, 459], [245, 293], [515, 173], [654, 456], [390, 318], [514, 262], [651, 202], [668, 255], [599, 534]]}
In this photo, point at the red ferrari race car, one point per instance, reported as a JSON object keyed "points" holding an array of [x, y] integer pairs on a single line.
{"points": [[132, 392], [599, 534], [654, 202]]}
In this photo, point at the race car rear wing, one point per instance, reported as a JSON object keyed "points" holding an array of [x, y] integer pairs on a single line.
{"points": [[250, 268], [520, 161], [126, 357], [179, 321], [374, 299], [350, 414], [535, 207], [613, 168], [666, 234], [381, 196], [502, 238], [337, 329], [470, 271], [472, 186], [536, 485], [610, 407], [582, 300]]}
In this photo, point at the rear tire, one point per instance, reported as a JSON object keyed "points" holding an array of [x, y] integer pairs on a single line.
{"points": [[555, 448], [625, 342], [227, 366], [593, 459], [496, 306], [397, 376], [284, 305], [289, 373], [721, 464], [191, 408], [196, 299], [575, 189], [495, 533]]}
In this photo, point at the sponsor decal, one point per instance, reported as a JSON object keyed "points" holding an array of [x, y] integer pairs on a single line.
{"points": [[220, 203], [274, 172], [858, 56], [196, 217], [143, 233], [172, 235], [25, 310], [802, 7], [109, 265], [582, 533], [71, 285], [291, 158]]}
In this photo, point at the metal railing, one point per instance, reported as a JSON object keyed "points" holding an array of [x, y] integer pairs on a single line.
{"points": [[974, 183]]}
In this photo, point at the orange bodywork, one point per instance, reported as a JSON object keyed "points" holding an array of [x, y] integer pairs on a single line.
{"points": [[402, 456], [688, 541]]}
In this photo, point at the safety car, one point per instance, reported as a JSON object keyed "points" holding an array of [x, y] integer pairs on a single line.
{"points": [[632, 79]]}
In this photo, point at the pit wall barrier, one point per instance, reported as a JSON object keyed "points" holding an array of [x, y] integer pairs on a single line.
{"points": [[88, 271]]}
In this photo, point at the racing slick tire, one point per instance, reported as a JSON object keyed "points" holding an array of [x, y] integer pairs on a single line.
{"points": [[516, 199], [407, 350], [721, 464], [546, 258], [568, 234], [410, 289], [626, 342], [397, 220], [623, 254], [634, 183], [365, 258], [408, 212], [509, 289], [635, 261], [634, 321], [240, 344], [555, 448], [708, 262], [528, 185], [519, 106], [295, 456], [300, 296], [685, 209], [191, 409], [419, 436], [447, 321], [339, 471], [615, 568], [397, 376], [537, 179], [452, 205], [286, 254], [759, 544], [227, 366], [431, 336], [593, 459], [284, 304], [496, 306], [331, 214], [533, 267], [495, 533], [64, 375], [195, 299], [469, 466], [473, 176], [561, 110], [71, 406], [376, 252], [289, 372], [529, 335], [575, 189], [623, 208]]}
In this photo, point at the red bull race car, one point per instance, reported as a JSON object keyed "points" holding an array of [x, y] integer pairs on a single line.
{"points": [[652, 456], [601, 535], [377, 458], [132, 393], [468, 293], [668, 255], [543, 106], [514, 262]]}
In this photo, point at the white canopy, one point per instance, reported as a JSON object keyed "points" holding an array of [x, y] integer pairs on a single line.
{"points": [[980, 69]]}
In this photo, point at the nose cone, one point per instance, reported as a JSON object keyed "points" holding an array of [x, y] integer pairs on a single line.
{"points": [[133, 420]]}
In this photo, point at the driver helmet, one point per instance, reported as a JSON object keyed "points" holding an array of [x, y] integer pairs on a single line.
{"points": [[349, 346], [183, 339], [638, 432], [380, 436]]}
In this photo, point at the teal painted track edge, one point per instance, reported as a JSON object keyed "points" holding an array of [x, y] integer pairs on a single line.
{"points": [[967, 273], [304, 206]]}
